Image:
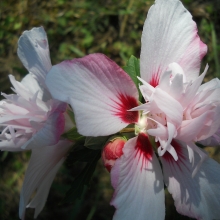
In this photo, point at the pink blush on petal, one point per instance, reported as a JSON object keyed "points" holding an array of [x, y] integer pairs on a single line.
{"points": [[203, 49], [124, 104], [60, 126]]}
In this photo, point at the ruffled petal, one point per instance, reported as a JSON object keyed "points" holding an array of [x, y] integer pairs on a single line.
{"points": [[170, 35], [169, 106], [42, 167], [138, 183], [199, 196], [29, 91], [192, 89], [99, 91], [190, 129], [33, 51], [32, 84], [201, 127], [49, 134]]}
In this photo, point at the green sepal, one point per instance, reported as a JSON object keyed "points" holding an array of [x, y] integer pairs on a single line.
{"points": [[116, 136], [71, 114], [132, 68]]}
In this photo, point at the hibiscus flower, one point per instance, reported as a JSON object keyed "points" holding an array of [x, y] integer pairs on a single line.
{"points": [[31, 119], [178, 111]]}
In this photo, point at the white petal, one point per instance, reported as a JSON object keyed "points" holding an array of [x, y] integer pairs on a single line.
{"points": [[33, 51], [30, 81], [13, 145], [21, 90], [172, 81], [30, 90], [169, 106], [192, 89], [197, 197], [170, 35], [177, 69], [40, 197], [138, 183], [214, 140], [43, 161], [210, 85], [176, 88], [99, 91]]}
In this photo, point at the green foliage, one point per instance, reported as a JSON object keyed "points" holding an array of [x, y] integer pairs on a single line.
{"points": [[215, 50], [81, 154], [96, 142], [132, 68]]}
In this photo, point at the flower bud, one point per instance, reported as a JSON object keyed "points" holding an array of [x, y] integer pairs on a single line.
{"points": [[112, 151]]}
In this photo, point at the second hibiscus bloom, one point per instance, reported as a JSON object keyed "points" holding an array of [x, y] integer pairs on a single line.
{"points": [[177, 113]]}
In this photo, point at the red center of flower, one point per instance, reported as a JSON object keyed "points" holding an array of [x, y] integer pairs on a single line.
{"points": [[144, 149], [155, 79], [126, 103]]}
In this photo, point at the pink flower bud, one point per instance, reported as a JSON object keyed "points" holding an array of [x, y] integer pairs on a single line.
{"points": [[112, 151]]}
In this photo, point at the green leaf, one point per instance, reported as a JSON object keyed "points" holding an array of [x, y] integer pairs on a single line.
{"points": [[96, 142], [73, 135], [132, 68], [83, 179], [77, 51]]}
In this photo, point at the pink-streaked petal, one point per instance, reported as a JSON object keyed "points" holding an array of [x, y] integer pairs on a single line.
{"points": [[33, 51], [99, 91], [199, 196], [170, 35], [43, 163], [138, 183]]}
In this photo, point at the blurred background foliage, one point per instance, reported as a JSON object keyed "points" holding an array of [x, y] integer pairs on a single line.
{"points": [[76, 28]]}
